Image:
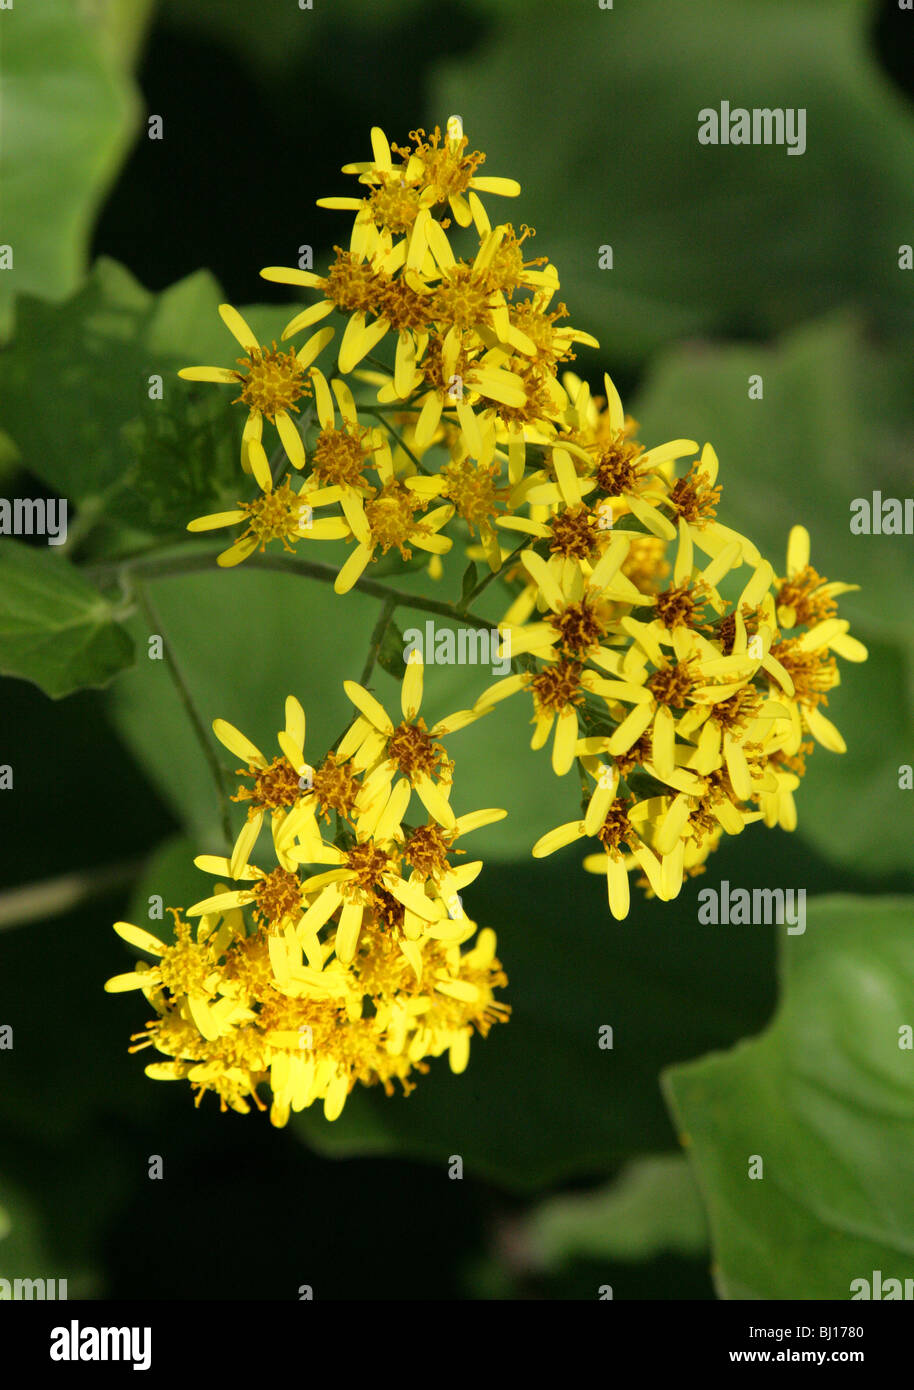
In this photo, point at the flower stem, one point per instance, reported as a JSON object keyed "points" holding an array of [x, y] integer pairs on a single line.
{"points": [[494, 574], [377, 637], [190, 708], [157, 567]]}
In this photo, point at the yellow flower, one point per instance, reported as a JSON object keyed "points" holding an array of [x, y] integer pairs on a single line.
{"points": [[618, 826], [279, 784], [271, 381], [382, 749], [278, 514], [391, 520], [438, 168]]}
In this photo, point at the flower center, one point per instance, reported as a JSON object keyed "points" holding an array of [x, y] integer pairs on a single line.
{"points": [[354, 286], [275, 516], [277, 895], [799, 595], [573, 533], [427, 848], [367, 863], [462, 299], [273, 382], [557, 686], [339, 456], [391, 517], [738, 711], [617, 472], [473, 490], [415, 752], [404, 307], [813, 673], [395, 204], [683, 605], [275, 787], [693, 497], [579, 626], [335, 787], [447, 168], [672, 685], [616, 829]]}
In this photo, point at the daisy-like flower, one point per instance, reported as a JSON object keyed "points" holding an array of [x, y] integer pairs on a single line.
{"points": [[278, 514], [391, 520], [622, 824], [439, 168], [271, 381], [278, 783], [805, 599], [694, 499], [365, 878], [276, 895], [700, 677], [474, 491], [383, 750], [187, 969]]}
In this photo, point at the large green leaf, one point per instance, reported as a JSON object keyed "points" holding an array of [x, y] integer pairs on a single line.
{"points": [[596, 113], [825, 1097], [69, 113], [835, 423], [55, 628]]}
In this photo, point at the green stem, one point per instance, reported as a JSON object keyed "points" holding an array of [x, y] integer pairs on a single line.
{"points": [[158, 568], [527, 542], [190, 709], [377, 637]]}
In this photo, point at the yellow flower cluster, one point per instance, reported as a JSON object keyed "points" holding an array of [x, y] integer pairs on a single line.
{"points": [[663, 655], [683, 689], [473, 383], [343, 962]]}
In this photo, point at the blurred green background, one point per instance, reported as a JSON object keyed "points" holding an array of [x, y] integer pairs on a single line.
{"points": [[727, 262]]}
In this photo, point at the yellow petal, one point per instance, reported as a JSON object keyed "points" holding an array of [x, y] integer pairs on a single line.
{"points": [[136, 936], [238, 327]]}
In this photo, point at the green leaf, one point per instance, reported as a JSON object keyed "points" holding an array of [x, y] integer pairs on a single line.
{"points": [[652, 1207], [835, 423], [144, 463], [825, 1096], [468, 583], [390, 653], [69, 114], [56, 629], [704, 238]]}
